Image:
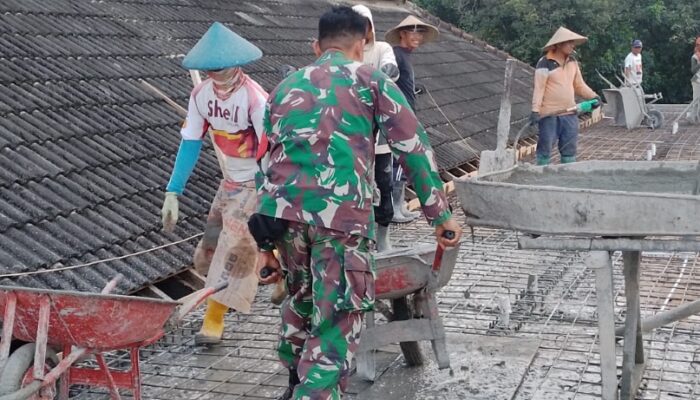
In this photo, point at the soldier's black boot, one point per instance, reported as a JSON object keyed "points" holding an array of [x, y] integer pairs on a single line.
{"points": [[293, 382]]}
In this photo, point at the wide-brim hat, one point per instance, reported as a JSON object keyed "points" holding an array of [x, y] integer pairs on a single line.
{"points": [[564, 35], [220, 48], [394, 37]]}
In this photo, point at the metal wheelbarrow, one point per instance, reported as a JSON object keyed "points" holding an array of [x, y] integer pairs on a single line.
{"points": [[628, 106], [44, 322], [408, 278]]}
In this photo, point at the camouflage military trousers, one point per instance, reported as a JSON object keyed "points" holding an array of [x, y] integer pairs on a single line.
{"points": [[330, 281]]}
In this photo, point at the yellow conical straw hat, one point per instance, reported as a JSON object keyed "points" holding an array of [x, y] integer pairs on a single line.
{"points": [[393, 36], [564, 35]]}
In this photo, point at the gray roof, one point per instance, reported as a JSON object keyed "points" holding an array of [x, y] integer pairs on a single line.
{"points": [[85, 150]]}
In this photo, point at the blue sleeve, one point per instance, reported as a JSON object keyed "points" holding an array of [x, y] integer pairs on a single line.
{"points": [[186, 159]]}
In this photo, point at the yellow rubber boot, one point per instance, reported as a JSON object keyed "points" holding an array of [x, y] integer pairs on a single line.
{"points": [[213, 324]]}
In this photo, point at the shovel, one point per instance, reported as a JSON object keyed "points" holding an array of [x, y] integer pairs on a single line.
{"points": [[674, 130], [501, 158]]}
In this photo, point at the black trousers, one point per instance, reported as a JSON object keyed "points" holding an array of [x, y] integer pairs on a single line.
{"points": [[384, 212]]}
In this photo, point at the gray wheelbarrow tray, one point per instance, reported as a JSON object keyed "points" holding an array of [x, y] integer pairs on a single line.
{"points": [[419, 272], [588, 198]]}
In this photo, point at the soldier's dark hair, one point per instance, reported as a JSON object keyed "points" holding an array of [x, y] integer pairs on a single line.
{"points": [[341, 25]]}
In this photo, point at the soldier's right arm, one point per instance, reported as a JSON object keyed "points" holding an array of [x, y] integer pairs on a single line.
{"points": [[409, 141]]}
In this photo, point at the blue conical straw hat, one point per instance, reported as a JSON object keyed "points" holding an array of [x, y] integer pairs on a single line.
{"points": [[220, 48]]}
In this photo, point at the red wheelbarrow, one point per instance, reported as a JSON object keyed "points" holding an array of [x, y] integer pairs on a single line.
{"points": [[78, 325]]}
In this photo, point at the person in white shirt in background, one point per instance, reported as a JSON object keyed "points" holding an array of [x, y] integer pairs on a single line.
{"points": [[633, 64]]}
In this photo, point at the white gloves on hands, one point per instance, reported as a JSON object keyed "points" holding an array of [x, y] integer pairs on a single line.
{"points": [[169, 212]]}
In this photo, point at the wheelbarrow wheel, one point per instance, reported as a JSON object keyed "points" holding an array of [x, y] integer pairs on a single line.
{"points": [[656, 119], [19, 372], [411, 350]]}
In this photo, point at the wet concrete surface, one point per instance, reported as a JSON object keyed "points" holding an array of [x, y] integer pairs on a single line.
{"points": [[655, 180], [482, 368]]}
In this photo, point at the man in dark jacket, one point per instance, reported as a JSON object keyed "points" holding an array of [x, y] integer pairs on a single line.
{"points": [[406, 37]]}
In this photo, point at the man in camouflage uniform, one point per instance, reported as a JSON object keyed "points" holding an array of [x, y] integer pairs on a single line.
{"points": [[319, 123]]}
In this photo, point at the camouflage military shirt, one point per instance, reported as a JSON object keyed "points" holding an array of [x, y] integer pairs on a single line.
{"points": [[319, 123]]}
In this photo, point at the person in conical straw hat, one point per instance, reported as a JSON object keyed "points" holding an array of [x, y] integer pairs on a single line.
{"points": [[558, 81], [229, 106], [406, 37]]}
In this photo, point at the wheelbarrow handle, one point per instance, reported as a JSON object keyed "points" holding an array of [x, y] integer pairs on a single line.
{"points": [[437, 261], [191, 301]]}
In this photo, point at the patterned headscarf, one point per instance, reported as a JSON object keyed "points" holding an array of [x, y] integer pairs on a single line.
{"points": [[227, 81]]}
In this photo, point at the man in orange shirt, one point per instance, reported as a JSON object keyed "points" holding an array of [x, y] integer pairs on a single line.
{"points": [[558, 81]]}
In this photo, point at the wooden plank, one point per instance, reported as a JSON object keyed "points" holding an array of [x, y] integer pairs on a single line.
{"points": [[157, 292], [449, 175], [192, 279], [461, 171]]}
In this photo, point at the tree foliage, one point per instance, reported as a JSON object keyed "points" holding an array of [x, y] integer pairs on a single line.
{"points": [[522, 27]]}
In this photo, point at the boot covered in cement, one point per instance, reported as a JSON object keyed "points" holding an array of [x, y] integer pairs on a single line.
{"points": [[293, 382], [213, 324], [408, 213], [404, 205], [399, 203], [568, 159], [542, 160], [383, 242]]}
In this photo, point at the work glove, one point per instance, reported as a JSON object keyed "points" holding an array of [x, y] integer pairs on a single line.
{"points": [[169, 212], [534, 118], [600, 102], [286, 70], [391, 70]]}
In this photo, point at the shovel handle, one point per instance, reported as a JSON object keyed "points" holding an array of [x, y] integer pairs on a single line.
{"points": [[217, 288], [191, 302], [266, 271], [437, 261]]}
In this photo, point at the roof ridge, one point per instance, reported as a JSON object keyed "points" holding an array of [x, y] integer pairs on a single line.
{"points": [[459, 32]]}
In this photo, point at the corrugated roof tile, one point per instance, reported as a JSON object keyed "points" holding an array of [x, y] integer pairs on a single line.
{"points": [[86, 151]]}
